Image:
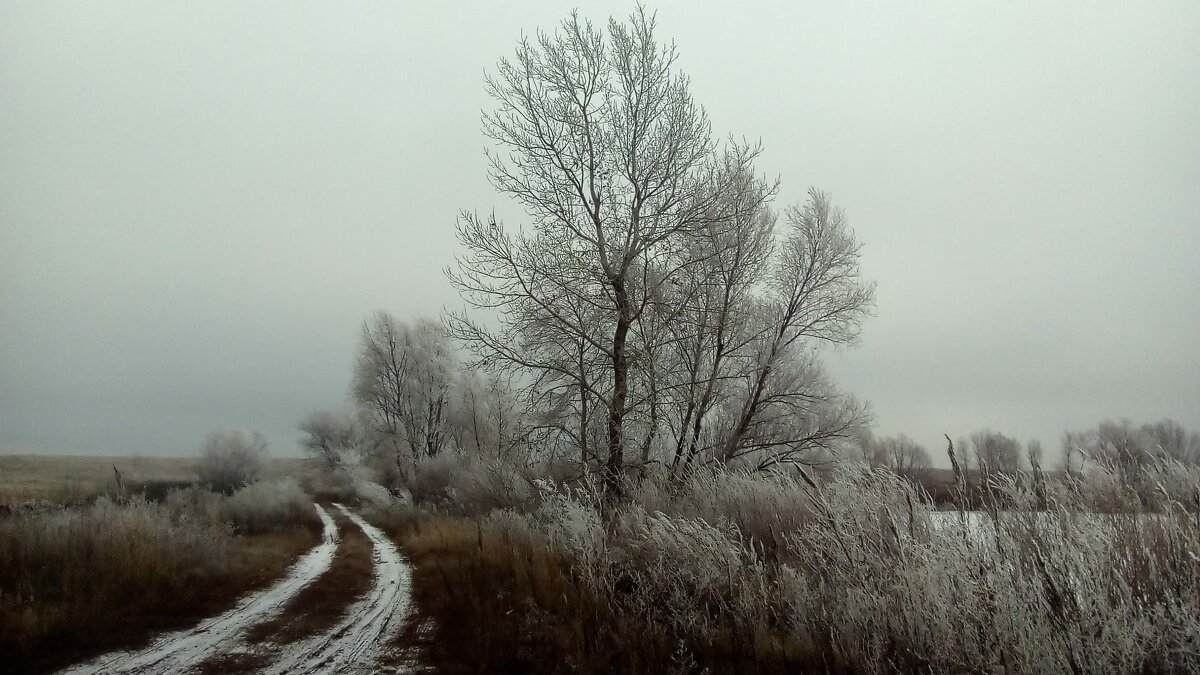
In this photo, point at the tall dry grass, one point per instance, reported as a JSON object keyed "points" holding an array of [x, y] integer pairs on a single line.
{"points": [[857, 572], [80, 580]]}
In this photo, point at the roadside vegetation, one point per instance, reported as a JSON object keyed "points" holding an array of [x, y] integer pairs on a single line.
{"points": [[852, 571], [111, 570]]}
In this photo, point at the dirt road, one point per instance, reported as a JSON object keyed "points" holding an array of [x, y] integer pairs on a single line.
{"points": [[354, 645]]}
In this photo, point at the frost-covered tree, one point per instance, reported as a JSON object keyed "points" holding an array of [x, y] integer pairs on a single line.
{"points": [[402, 382], [898, 453], [329, 436], [649, 307], [995, 452]]}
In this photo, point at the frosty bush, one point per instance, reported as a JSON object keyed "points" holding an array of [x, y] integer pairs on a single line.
{"points": [[232, 460], [267, 507], [261, 507]]}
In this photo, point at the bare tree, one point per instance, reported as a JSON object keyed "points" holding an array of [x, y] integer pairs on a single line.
{"points": [[1127, 449], [328, 436], [1033, 450], [817, 296], [1169, 439], [995, 452], [1074, 452], [906, 456], [870, 451], [898, 453], [402, 382], [486, 418], [602, 144], [646, 308]]}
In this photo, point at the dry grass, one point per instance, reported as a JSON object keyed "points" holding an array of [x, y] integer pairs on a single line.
{"points": [[72, 480], [503, 605], [855, 573], [76, 582]]}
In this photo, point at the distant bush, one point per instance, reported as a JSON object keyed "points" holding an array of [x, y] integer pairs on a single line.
{"points": [[232, 460], [471, 484], [255, 509]]}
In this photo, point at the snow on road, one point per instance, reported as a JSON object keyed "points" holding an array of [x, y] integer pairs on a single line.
{"points": [[177, 651], [356, 643]]}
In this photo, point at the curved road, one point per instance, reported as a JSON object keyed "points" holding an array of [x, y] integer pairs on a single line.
{"points": [[352, 646]]}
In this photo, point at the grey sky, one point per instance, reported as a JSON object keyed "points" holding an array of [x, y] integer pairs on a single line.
{"points": [[200, 202]]}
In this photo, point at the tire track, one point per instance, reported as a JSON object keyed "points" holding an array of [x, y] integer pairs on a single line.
{"points": [[355, 644], [183, 649]]}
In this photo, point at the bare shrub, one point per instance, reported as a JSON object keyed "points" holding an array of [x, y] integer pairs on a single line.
{"points": [[486, 484], [233, 459], [269, 507], [472, 483], [432, 478]]}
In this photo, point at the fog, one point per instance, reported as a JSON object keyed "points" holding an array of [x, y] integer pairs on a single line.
{"points": [[200, 203]]}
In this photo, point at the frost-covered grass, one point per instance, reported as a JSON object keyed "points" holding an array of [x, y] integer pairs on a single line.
{"points": [[74, 581], [75, 480], [255, 509], [857, 572]]}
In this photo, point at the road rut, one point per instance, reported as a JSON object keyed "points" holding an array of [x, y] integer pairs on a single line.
{"points": [[357, 642]]}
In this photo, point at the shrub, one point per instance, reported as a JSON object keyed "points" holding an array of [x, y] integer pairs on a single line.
{"points": [[273, 506], [232, 460], [470, 484]]}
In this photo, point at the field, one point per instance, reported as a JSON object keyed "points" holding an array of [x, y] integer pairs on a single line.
{"points": [[65, 479]]}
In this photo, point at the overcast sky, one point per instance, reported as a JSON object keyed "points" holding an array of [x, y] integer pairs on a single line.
{"points": [[200, 202]]}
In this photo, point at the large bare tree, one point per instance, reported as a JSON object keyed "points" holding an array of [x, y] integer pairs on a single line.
{"points": [[599, 139], [646, 305], [996, 453]]}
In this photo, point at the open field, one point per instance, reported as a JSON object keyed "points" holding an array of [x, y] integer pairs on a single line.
{"points": [[65, 479]]}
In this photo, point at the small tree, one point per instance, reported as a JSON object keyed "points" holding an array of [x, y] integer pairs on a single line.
{"points": [[1033, 450], [907, 457], [329, 436], [402, 383], [232, 460], [870, 450]]}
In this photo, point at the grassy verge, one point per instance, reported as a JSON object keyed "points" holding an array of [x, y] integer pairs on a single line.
{"points": [[486, 601]]}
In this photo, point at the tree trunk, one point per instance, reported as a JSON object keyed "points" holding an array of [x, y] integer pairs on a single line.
{"points": [[614, 469]]}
